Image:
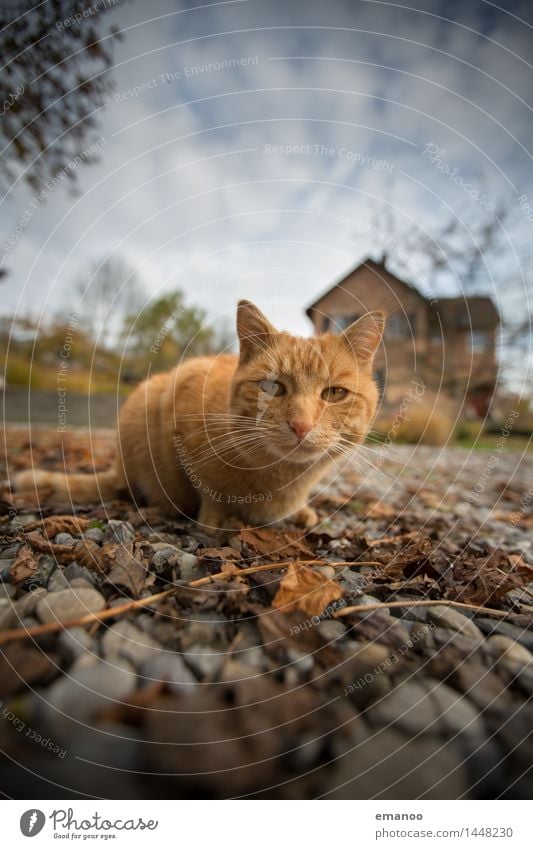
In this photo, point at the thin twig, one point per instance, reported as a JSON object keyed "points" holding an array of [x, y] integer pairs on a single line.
{"points": [[362, 608], [391, 540]]}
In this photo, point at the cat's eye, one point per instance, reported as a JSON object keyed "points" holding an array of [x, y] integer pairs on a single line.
{"points": [[272, 387], [334, 393]]}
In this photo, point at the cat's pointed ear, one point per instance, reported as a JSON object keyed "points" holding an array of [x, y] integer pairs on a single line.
{"points": [[253, 329], [365, 334]]}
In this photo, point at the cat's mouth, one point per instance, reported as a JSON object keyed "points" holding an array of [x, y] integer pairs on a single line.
{"points": [[303, 451]]}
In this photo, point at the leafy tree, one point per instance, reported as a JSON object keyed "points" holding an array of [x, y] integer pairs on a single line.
{"points": [[53, 82], [164, 330]]}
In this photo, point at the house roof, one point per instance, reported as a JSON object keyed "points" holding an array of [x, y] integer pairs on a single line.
{"points": [[476, 312], [378, 267]]}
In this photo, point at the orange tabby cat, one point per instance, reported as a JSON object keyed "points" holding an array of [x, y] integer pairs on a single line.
{"points": [[234, 440]]}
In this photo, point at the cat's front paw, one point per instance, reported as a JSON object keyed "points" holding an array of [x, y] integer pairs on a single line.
{"points": [[306, 517]]}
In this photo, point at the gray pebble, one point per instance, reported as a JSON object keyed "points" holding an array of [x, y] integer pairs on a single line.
{"points": [[74, 570], [427, 706], [353, 582], [68, 604], [300, 660], [447, 617], [64, 539], [326, 571], [46, 567], [495, 626], [504, 648], [57, 582], [204, 661], [7, 591], [169, 668], [119, 532], [125, 639], [10, 552], [8, 616], [89, 690], [27, 603], [5, 570], [94, 534], [81, 582], [75, 642], [331, 630]]}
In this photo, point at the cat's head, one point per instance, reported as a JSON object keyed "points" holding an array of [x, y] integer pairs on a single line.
{"points": [[306, 397]]}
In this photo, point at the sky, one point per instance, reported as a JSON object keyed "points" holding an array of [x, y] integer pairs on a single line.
{"points": [[248, 147]]}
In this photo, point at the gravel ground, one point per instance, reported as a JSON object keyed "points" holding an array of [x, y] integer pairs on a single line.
{"points": [[227, 689]]}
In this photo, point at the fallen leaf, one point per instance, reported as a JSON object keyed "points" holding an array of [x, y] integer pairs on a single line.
{"points": [[214, 559], [127, 570], [484, 580], [279, 545], [305, 590], [54, 525], [64, 554], [24, 566]]}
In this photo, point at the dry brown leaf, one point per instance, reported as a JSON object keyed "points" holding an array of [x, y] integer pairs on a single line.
{"points": [[54, 525], [88, 553], [24, 566], [278, 545], [64, 554], [126, 570], [305, 590], [484, 580]]}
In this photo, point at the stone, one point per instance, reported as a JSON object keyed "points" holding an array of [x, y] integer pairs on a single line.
{"points": [[81, 582], [89, 690], [8, 616], [57, 582], [7, 591], [302, 661], [126, 640], [69, 604], [447, 617], [75, 642], [495, 626], [427, 707], [94, 534], [188, 563], [504, 648], [64, 539], [26, 604], [331, 630], [204, 661], [74, 570], [170, 668], [120, 533], [11, 551], [444, 639], [46, 566], [387, 764], [326, 571], [5, 568]]}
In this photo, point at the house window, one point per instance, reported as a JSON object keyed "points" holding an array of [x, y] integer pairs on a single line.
{"points": [[400, 326], [479, 341], [344, 321]]}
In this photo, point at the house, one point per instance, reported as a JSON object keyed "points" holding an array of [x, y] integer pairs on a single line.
{"points": [[448, 344]]}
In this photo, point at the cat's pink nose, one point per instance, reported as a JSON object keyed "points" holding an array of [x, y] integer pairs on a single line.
{"points": [[300, 428]]}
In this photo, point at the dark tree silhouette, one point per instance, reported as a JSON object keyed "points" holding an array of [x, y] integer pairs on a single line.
{"points": [[55, 61]]}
